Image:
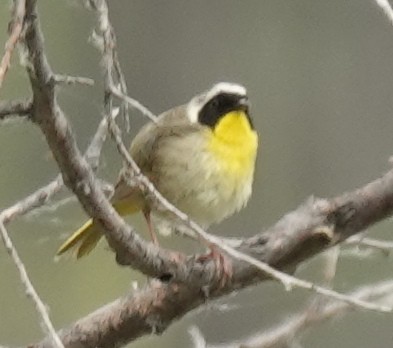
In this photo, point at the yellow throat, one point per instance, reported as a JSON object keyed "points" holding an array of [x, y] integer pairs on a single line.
{"points": [[234, 144]]}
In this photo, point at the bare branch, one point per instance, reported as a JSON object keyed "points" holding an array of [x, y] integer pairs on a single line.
{"points": [[385, 246], [16, 26], [113, 74], [133, 103], [123, 89], [15, 107], [93, 151], [44, 194], [72, 80], [36, 199], [330, 265], [29, 288], [197, 338]]}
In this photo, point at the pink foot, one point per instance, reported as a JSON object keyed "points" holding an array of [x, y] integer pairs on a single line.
{"points": [[223, 264]]}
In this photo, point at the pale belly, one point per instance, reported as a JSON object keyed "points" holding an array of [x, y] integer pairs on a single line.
{"points": [[199, 185]]}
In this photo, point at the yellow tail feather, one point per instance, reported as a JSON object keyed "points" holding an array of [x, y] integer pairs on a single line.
{"points": [[87, 236], [88, 243], [79, 237]]}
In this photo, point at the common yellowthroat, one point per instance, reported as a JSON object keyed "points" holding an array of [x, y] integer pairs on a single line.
{"points": [[200, 156]]}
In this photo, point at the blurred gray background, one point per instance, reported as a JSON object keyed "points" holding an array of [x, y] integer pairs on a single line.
{"points": [[320, 78]]}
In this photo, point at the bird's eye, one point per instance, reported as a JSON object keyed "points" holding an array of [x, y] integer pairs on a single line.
{"points": [[214, 103]]}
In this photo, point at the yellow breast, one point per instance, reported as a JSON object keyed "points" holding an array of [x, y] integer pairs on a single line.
{"points": [[234, 145]]}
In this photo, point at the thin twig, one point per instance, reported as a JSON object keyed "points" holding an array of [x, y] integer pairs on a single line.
{"points": [[124, 90], [93, 151], [134, 103], [114, 78], [382, 245], [197, 338], [72, 80], [16, 26], [330, 266], [30, 291], [44, 194], [15, 107], [34, 200]]}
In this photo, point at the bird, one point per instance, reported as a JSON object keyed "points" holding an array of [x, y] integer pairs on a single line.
{"points": [[200, 156]]}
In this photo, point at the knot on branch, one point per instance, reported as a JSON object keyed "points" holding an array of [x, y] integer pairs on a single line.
{"points": [[342, 215]]}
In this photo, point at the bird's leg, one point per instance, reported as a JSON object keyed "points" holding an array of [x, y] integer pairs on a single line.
{"points": [[150, 227], [175, 255], [222, 262]]}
